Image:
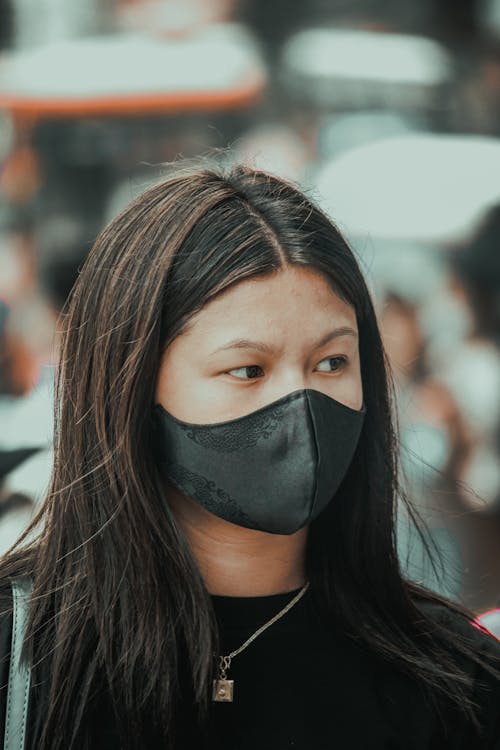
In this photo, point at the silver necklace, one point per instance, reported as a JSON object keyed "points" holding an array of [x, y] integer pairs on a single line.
{"points": [[223, 688]]}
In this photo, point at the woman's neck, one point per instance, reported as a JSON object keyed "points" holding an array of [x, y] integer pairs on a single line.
{"points": [[235, 561]]}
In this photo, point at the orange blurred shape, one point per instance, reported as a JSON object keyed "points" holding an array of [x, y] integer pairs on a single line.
{"points": [[20, 175]]}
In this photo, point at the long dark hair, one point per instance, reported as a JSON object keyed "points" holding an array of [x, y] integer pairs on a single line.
{"points": [[118, 602]]}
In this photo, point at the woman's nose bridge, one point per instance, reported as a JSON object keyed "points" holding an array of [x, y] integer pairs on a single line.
{"points": [[290, 379]]}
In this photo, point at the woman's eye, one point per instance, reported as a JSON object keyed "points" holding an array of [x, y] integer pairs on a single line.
{"points": [[331, 364], [247, 373]]}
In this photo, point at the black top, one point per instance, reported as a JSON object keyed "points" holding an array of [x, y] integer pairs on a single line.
{"points": [[303, 685]]}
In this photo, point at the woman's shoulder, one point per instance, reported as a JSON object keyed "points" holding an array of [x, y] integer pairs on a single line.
{"points": [[475, 649], [477, 652], [463, 625]]}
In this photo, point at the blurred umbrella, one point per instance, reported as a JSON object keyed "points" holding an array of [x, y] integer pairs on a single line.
{"points": [[218, 67], [420, 187], [358, 69]]}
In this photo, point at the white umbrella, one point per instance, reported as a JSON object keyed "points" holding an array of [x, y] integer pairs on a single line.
{"points": [[359, 68], [418, 187], [220, 60]]}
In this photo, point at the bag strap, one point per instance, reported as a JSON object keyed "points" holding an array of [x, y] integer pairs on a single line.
{"points": [[16, 716]]}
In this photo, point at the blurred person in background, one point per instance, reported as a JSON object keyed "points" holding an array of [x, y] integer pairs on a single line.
{"points": [[476, 265], [16, 365], [219, 528], [473, 373], [15, 381], [61, 244], [478, 87], [435, 444], [447, 373]]}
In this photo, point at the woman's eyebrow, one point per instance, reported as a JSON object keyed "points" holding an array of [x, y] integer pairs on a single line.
{"points": [[261, 346]]}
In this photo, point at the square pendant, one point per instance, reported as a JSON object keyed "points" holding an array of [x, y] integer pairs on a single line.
{"points": [[222, 691]]}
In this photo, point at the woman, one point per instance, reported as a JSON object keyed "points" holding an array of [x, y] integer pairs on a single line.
{"points": [[216, 564]]}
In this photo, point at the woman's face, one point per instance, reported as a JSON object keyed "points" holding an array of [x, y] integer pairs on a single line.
{"points": [[259, 341]]}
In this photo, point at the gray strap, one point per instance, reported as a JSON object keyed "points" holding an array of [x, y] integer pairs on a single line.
{"points": [[19, 672]]}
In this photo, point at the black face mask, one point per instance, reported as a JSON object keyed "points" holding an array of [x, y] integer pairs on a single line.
{"points": [[273, 470]]}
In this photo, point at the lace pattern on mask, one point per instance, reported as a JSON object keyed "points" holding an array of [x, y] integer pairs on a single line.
{"points": [[213, 498], [229, 438]]}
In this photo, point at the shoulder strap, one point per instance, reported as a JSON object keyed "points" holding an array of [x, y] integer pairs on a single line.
{"points": [[19, 672]]}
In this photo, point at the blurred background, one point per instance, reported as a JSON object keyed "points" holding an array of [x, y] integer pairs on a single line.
{"points": [[387, 112]]}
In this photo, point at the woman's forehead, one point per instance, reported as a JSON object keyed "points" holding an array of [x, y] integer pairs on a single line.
{"points": [[277, 293], [291, 304]]}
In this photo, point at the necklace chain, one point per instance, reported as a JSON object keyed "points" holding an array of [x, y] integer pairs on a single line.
{"points": [[271, 621], [222, 687], [225, 661]]}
